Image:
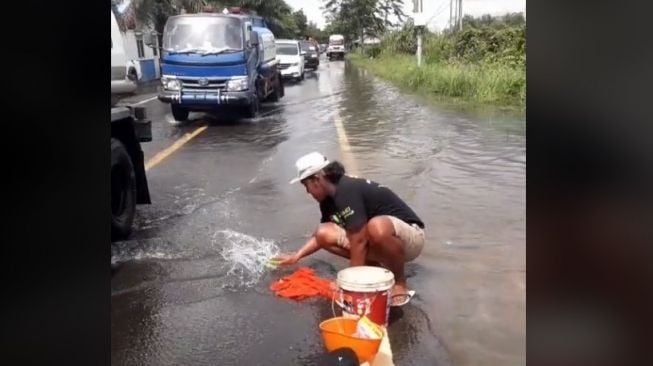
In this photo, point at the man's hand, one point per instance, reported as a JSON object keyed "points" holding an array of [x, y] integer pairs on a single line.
{"points": [[286, 259]]}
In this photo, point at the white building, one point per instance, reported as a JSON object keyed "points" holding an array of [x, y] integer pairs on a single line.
{"points": [[144, 58]]}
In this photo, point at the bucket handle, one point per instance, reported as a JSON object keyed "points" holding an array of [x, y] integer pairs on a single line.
{"points": [[333, 309]]}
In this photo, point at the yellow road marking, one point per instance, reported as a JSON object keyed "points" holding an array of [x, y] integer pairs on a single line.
{"points": [[345, 147], [384, 357], [162, 155]]}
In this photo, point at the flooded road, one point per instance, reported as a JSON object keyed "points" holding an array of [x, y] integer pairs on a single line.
{"points": [[177, 299]]}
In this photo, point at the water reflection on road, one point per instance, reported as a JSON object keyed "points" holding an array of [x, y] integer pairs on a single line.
{"points": [[463, 171]]}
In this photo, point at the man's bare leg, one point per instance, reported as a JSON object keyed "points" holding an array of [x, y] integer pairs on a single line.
{"points": [[327, 237], [389, 249]]}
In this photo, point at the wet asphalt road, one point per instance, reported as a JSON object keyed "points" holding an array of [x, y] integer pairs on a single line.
{"points": [[174, 301]]}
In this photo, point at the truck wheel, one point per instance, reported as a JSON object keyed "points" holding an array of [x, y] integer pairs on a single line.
{"points": [[278, 91], [302, 77], [252, 110], [123, 191], [179, 113], [132, 74]]}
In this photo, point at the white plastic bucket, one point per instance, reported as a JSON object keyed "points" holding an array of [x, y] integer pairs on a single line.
{"points": [[365, 290]]}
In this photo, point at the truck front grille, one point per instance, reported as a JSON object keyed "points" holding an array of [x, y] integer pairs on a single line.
{"points": [[194, 84], [284, 66]]}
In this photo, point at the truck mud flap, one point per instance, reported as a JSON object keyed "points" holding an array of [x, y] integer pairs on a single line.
{"points": [[142, 188]]}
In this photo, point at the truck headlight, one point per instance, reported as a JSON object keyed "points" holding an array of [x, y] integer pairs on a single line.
{"points": [[170, 83], [239, 84]]}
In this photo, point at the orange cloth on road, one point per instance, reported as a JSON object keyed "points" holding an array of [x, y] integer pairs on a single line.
{"points": [[301, 285]]}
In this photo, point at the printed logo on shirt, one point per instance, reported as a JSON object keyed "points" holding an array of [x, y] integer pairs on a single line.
{"points": [[339, 218], [335, 218], [346, 213]]}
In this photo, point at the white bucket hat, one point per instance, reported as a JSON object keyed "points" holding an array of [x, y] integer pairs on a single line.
{"points": [[308, 165]]}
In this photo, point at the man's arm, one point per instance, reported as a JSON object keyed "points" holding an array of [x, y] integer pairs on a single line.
{"points": [[358, 246], [309, 248]]}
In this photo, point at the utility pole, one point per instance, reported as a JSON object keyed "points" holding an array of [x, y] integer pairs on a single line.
{"points": [[450, 13], [460, 15], [419, 24], [454, 15]]}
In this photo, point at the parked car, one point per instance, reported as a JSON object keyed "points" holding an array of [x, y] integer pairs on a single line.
{"points": [[311, 56], [291, 59]]}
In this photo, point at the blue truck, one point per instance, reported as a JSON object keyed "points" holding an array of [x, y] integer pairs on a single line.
{"points": [[217, 61]]}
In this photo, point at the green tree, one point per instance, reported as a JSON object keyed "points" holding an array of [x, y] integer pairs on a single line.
{"points": [[277, 14], [496, 22], [155, 13], [315, 32], [359, 18], [301, 22]]}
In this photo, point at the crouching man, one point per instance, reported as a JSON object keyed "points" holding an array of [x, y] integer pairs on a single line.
{"points": [[362, 221]]}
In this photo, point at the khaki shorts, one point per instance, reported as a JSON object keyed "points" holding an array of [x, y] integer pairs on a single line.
{"points": [[411, 235]]}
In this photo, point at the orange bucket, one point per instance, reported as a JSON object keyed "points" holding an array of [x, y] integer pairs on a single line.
{"points": [[337, 332]]}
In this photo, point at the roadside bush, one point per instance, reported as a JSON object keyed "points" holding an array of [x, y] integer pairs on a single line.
{"points": [[486, 62], [402, 41], [436, 48], [373, 51]]}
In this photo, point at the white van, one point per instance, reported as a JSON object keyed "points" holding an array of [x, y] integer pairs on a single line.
{"points": [[291, 59], [121, 81]]}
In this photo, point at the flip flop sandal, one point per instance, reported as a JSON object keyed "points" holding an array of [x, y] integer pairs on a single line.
{"points": [[409, 295]]}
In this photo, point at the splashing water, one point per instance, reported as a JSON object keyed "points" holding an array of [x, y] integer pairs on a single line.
{"points": [[246, 255]]}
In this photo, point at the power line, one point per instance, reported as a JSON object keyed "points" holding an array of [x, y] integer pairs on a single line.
{"points": [[438, 11]]}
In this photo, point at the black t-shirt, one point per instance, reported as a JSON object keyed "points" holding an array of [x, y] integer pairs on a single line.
{"points": [[358, 200]]}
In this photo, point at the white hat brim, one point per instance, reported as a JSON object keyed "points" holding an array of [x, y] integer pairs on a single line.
{"points": [[310, 172]]}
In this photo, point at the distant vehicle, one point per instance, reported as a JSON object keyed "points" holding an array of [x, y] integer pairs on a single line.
{"points": [[291, 59], [214, 61], [312, 55], [129, 127], [336, 47], [323, 47]]}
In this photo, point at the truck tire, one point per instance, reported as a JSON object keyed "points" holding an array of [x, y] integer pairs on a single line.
{"points": [[277, 93], [123, 191], [252, 110], [179, 113], [132, 74]]}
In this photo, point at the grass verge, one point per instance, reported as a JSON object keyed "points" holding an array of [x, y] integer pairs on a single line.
{"points": [[483, 83]]}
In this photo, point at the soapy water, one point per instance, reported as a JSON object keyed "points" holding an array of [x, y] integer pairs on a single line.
{"points": [[245, 256]]}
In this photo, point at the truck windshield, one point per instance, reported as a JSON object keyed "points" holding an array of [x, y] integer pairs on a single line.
{"points": [[336, 41], [203, 34], [287, 49]]}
